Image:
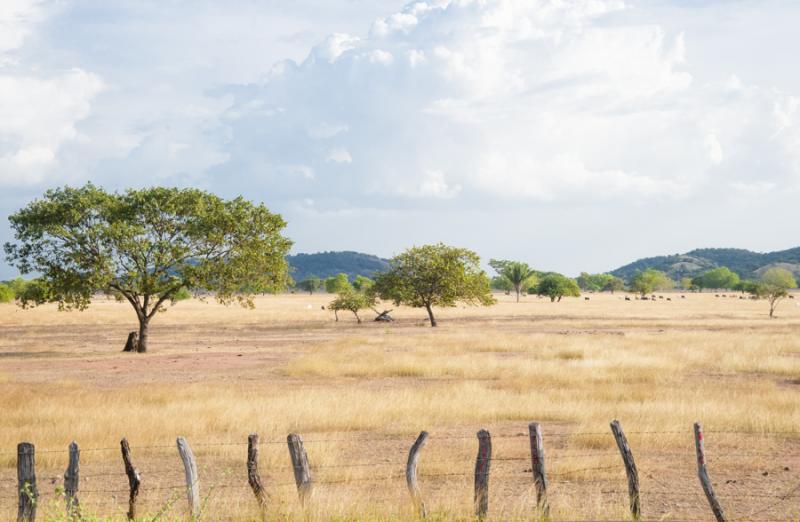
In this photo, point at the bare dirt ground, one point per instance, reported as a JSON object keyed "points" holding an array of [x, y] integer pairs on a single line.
{"points": [[359, 395]]}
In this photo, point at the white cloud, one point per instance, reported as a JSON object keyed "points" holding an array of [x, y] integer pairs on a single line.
{"points": [[339, 155]]}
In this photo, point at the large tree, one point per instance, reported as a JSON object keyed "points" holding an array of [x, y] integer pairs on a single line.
{"points": [[145, 246], [518, 275], [717, 278], [774, 285], [435, 276]]}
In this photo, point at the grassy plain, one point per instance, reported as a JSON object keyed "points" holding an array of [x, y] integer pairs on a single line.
{"points": [[359, 395]]}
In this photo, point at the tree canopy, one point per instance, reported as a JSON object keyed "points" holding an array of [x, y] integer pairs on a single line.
{"points": [[310, 284], [556, 286], [649, 281], [337, 284], [144, 246], [774, 285], [514, 275], [435, 276], [353, 301], [716, 278]]}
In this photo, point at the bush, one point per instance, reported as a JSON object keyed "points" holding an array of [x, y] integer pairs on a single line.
{"points": [[6, 294]]}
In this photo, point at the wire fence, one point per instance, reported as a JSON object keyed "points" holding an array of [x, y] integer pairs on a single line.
{"points": [[754, 475]]}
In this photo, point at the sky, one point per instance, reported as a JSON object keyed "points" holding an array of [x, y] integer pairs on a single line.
{"points": [[573, 135]]}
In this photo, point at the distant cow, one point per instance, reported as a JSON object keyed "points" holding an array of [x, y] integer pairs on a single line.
{"points": [[585, 298], [661, 297], [683, 297], [627, 298], [669, 299]]}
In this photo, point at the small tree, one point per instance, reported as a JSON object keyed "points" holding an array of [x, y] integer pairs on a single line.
{"points": [[310, 284], [362, 283], [686, 283], [144, 247], [435, 275], [649, 281], [502, 284], [337, 284], [353, 301], [615, 284], [519, 275], [6, 294], [556, 286], [774, 286]]}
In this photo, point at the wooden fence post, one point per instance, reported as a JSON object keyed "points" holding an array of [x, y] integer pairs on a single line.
{"points": [[630, 469], [482, 468], [253, 476], [26, 482], [538, 469], [71, 481], [702, 473], [192, 480], [411, 474], [134, 479], [302, 473]]}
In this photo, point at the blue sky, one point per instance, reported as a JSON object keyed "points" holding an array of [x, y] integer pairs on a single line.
{"points": [[572, 135]]}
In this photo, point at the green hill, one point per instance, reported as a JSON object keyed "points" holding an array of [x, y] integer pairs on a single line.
{"points": [[746, 263], [326, 264]]}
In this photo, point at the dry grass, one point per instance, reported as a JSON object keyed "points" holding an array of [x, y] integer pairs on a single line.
{"points": [[215, 374]]}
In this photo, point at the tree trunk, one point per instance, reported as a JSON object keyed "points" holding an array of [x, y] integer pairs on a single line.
{"points": [[518, 290], [144, 324], [430, 314], [357, 317]]}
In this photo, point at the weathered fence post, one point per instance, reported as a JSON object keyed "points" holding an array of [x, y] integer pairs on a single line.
{"points": [[71, 481], [26, 482], [482, 467], [630, 468], [134, 479], [253, 476], [302, 473], [538, 469], [702, 473], [411, 473], [192, 480]]}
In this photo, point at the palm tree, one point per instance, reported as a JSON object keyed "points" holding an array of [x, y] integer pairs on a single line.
{"points": [[518, 274]]}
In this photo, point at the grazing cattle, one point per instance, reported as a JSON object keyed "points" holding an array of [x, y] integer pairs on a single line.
{"points": [[585, 298], [645, 298], [791, 296], [661, 297], [627, 298], [323, 307], [683, 297], [717, 295]]}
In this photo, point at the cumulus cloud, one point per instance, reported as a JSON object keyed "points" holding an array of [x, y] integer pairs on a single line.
{"points": [[39, 110], [520, 99]]}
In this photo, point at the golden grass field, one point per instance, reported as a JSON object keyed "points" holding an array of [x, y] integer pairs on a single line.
{"points": [[360, 394]]}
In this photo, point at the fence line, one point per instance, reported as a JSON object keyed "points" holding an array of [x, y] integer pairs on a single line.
{"points": [[536, 479]]}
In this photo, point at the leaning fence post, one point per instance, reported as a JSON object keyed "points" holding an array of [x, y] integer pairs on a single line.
{"points": [[26, 481], [253, 476], [134, 479], [702, 473], [411, 473], [538, 469], [482, 465], [71, 481], [302, 473], [192, 480], [630, 468]]}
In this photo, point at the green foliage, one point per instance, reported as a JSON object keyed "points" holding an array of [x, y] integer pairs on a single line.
{"points": [[433, 276], [774, 285], [362, 283], [353, 301], [181, 295], [716, 278], [599, 282], [310, 284], [517, 275], [501, 283], [145, 245], [615, 284], [649, 281], [556, 286], [6, 294], [337, 284]]}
